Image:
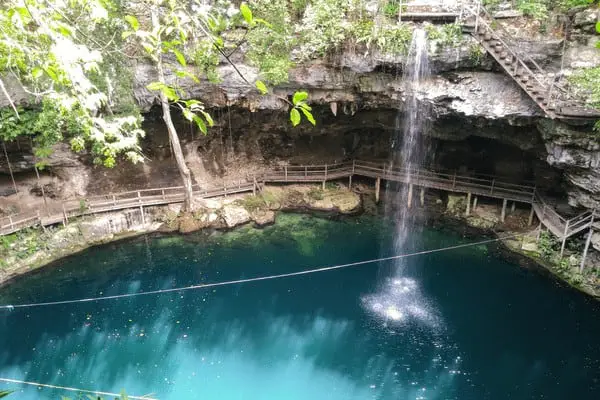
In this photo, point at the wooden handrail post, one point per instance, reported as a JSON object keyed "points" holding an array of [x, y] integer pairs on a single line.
{"points": [[492, 188], [39, 218], [65, 214], [285, 169], [587, 244], [114, 200], [11, 221], [454, 180], [325, 171], [305, 171], [353, 166], [544, 212], [562, 247], [163, 193]]}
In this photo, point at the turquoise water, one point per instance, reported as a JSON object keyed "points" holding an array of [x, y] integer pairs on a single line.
{"points": [[455, 325]]}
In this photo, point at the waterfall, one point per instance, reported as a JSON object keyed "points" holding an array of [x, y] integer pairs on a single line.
{"points": [[410, 153], [399, 300]]}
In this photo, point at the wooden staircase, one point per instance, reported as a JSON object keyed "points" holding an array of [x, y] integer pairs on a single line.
{"points": [[551, 97]]}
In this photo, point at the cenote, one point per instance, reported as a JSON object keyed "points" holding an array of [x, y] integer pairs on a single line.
{"points": [[460, 324]]}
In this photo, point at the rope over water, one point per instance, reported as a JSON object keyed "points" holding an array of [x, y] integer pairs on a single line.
{"points": [[70, 389], [256, 279]]}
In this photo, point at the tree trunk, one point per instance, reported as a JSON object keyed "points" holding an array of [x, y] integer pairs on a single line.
{"points": [[12, 177], [184, 171]]}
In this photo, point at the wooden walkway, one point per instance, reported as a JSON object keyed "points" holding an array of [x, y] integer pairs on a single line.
{"points": [[486, 186]]}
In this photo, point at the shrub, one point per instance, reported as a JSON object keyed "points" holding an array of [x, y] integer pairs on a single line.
{"points": [[535, 9], [316, 193]]}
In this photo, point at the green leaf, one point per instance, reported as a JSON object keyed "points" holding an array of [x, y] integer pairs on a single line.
{"points": [[126, 34], [263, 22], [186, 74], [304, 106], [51, 73], [246, 12], [169, 93], [187, 114], [5, 393], [298, 97], [149, 49], [294, 117], [64, 29], [155, 86], [36, 72], [212, 23], [598, 26], [308, 116], [208, 118], [200, 124], [180, 57], [260, 85], [135, 25]]}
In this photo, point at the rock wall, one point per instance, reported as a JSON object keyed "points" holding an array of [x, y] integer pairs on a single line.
{"points": [[480, 120]]}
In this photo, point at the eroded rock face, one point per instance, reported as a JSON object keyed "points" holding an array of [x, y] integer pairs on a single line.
{"points": [[577, 151], [467, 98]]}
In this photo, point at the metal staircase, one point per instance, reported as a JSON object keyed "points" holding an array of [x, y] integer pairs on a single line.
{"points": [[548, 94]]}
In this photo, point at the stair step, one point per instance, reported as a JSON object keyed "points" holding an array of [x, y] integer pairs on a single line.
{"points": [[487, 37], [503, 55]]}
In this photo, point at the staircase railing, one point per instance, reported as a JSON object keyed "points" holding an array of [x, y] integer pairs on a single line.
{"points": [[516, 57], [555, 90]]}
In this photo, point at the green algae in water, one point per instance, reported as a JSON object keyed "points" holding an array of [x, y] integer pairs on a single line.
{"points": [[454, 325]]}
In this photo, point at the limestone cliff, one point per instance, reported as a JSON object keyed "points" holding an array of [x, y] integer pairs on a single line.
{"points": [[480, 120]]}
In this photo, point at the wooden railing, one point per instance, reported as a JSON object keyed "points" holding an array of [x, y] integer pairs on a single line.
{"points": [[113, 202], [443, 180], [549, 93]]}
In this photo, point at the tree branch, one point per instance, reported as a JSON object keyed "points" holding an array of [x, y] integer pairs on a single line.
{"points": [[10, 101]]}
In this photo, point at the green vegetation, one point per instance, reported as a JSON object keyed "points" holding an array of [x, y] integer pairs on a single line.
{"points": [[23, 244], [567, 267], [536, 9], [447, 35], [261, 201], [539, 9], [60, 63], [75, 60], [316, 193], [476, 53], [270, 44], [586, 84]]}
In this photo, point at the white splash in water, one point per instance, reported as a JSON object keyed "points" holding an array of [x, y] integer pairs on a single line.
{"points": [[399, 299]]}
